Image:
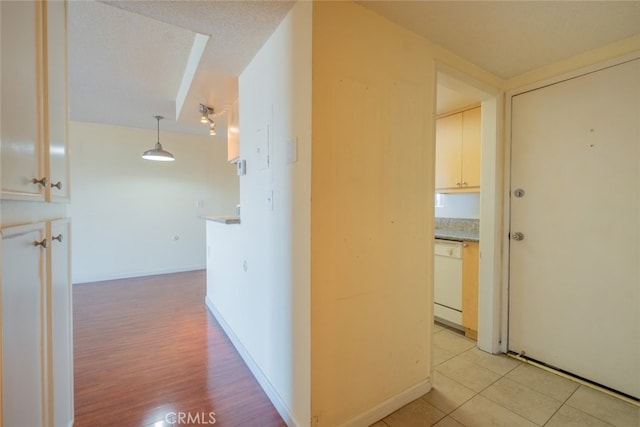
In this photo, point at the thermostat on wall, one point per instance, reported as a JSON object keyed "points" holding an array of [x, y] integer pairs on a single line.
{"points": [[242, 167]]}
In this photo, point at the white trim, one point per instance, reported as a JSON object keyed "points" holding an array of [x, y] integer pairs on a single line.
{"points": [[130, 275], [262, 379], [601, 65], [592, 68], [390, 405]]}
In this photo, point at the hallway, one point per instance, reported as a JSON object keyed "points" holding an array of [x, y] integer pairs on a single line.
{"points": [[473, 388]]}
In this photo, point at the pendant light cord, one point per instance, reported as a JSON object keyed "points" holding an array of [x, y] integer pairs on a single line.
{"points": [[158, 118]]}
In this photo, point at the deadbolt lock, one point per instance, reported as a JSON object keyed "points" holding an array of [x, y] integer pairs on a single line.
{"points": [[518, 192]]}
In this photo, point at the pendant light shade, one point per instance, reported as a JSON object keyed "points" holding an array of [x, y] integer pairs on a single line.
{"points": [[157, 153]]}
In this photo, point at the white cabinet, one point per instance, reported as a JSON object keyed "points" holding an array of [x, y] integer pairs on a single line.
{"points": [[56, 108], [24, 371], [458, 146], [60, 316], [37, 351], [34, 101]]}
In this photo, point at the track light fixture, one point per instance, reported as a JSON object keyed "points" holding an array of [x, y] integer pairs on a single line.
{"points": [[205, 112]]}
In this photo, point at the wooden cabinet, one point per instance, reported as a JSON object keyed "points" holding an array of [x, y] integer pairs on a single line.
{"points": [[458, 147], [470, 266], [37, 350], [34, 101]]}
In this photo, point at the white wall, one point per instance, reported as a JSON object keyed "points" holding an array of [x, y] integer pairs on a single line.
{"points": [[266, 308], [461, 205], [126, 211]]}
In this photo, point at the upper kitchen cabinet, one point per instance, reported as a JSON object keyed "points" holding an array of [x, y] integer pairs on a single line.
{"points": [[458, 144], [34, 101]]}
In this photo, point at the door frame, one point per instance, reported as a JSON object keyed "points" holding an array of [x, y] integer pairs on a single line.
{"points": [[506, 225], [491, 206]]}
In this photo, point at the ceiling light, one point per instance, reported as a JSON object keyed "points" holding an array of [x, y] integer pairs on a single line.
{"points": [[157, 153], [205, 111]]}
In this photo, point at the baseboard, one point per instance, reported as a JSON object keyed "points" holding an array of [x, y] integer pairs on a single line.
{"points": [[262, 379], [390, 405], [130, 275]]}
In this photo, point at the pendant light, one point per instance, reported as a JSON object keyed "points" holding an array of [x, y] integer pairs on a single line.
{"points": [[157, 153]]}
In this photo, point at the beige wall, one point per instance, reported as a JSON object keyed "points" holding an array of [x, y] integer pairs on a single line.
{"points": [[371, 216]]}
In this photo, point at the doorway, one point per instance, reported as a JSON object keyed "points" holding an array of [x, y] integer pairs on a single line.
{"points": [[456, 90]]}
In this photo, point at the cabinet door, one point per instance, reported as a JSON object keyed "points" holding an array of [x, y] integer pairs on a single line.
{"points": [[23, 325], [448, 151], [471, 148], [56, 105], [61, 340], [22, 112]]}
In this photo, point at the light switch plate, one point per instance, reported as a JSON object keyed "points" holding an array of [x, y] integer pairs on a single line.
{"points": [[241, 166], [292, 151]]}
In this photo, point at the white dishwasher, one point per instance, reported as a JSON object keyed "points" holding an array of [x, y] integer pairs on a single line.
{"points": [[447, 294]]}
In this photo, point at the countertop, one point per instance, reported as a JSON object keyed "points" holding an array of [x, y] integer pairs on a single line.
{"points": [[459, 229], [457, 235], [223, 219]]}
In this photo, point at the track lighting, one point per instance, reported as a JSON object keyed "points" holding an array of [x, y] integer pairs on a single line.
{"points": [[157, 153], [206, 112]]}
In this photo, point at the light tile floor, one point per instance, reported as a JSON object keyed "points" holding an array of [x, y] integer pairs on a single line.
{"points": [[473, 388]]}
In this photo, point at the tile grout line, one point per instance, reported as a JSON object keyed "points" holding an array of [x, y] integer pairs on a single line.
{"points": [[560, 407], [574, 379]]}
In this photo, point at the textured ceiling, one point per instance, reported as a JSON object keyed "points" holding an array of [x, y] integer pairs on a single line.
{"points": [[127, 58]]}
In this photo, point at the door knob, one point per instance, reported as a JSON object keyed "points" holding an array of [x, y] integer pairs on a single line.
{"points": [[517, 236]]}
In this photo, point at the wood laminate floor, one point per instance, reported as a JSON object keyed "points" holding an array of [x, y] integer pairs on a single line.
{"points": [[147, 348]]}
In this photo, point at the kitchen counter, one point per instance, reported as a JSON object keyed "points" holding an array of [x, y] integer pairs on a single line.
{"points": [[457, 235], [223, 219], [458, 229]]}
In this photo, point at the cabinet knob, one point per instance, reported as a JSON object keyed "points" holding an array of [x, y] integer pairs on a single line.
{"points": [[42, 243], [42, 181], [58, 238], [57, 185], [464, 183], [459, 184]]}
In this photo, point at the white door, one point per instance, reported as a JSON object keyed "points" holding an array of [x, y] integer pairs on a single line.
{"points": [[574, 285]]}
